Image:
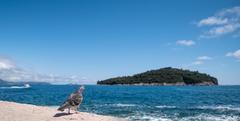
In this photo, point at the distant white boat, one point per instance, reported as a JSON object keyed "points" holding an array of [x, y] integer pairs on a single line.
{"points": [[17, 87], [27, 85]]}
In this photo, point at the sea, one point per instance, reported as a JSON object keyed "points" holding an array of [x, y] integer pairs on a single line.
{"points": [[139, 103]]}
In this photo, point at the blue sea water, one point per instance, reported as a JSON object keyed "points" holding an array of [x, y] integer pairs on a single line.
{"points": [[143, 103]]}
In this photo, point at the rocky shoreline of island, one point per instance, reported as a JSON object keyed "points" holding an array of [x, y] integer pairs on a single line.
{"points": [[168, 84]]}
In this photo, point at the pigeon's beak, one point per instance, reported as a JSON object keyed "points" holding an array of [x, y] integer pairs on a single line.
{"points": [[81, 89]]}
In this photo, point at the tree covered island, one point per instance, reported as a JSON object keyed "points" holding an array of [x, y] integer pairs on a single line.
{"points": [[164, 76]]}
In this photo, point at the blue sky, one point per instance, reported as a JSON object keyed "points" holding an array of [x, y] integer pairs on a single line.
{"points": [[84, 41]]}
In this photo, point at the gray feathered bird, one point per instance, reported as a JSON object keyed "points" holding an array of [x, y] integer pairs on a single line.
{"points": [[73, 101]]}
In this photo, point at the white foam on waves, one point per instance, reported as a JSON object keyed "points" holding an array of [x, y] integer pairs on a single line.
{"points": [[165, 106], [221, 107], [208, 117], [123, 105], [200, 117]]}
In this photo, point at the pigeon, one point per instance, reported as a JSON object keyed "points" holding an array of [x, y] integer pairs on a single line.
{"points": [[73, 101]]}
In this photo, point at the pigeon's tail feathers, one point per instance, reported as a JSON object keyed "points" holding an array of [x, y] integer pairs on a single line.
{"points": [[63, 107], [60, 109]]}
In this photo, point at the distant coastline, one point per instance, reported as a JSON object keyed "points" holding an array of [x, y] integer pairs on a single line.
{"points": [[10, 83], [164, 77]]}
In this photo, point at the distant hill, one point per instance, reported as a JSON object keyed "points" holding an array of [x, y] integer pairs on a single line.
{"points": [[163, 76], [8, 83]]}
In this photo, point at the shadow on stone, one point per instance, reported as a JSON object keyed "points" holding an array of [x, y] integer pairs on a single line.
{"points": [[61, 114]]}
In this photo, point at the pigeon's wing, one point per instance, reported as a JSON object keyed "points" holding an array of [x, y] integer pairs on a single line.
{"points": [[77, 100], [67, 103], [64, 106], [74, 100]]}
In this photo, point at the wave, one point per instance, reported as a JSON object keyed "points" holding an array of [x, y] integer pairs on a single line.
{"points": [[165, 106], [123, 105], [200, 117], [151, 118], [208, 117], [17, 87], [140, 116], [220, 107]]}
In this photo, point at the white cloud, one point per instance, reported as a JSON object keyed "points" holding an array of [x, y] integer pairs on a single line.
{"points": [[235, 54], [6, 64], [201, 60], [10, 72], [234, 10], [224, 22], [212, 21], [185, 42], [204, 58], [221, 30], [197, 62]]}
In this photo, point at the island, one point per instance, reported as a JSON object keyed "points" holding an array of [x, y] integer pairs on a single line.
{"points": [[163, 77]]}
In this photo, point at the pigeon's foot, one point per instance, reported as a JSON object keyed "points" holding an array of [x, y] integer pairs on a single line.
{"points": [[69, 111]]}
